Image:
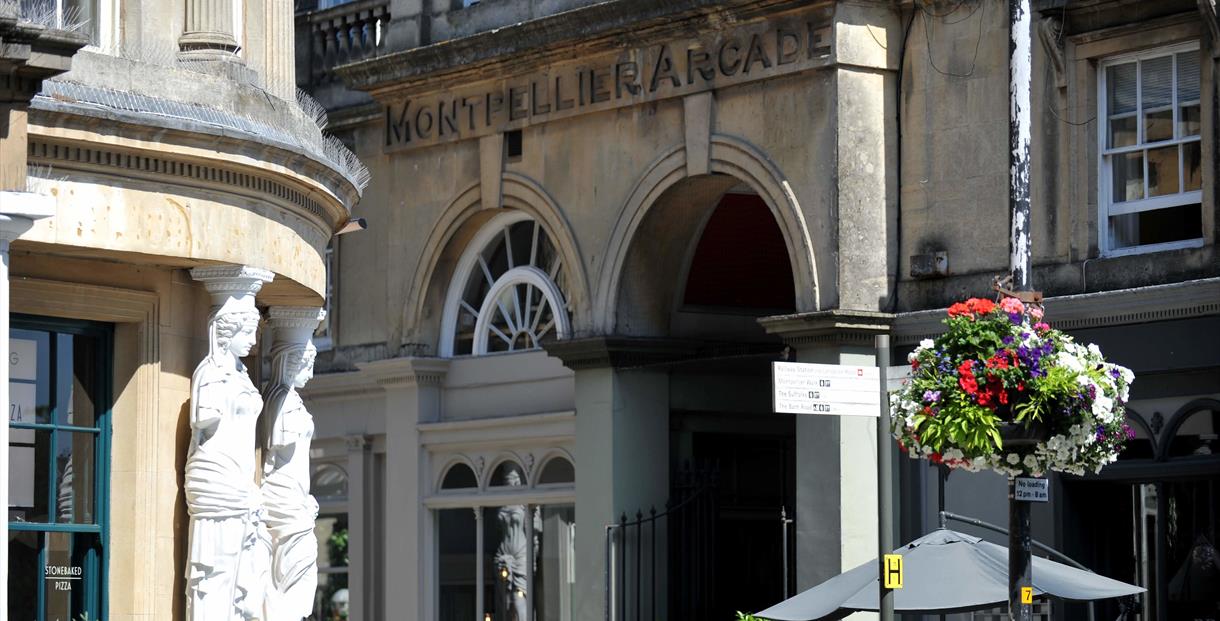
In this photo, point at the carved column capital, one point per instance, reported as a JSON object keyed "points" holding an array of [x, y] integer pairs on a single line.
{"points": [[232, 284], [295, 324]]}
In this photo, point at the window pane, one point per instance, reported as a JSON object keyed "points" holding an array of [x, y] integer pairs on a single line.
{"points": [[508, 474], [63, 577], [1163, 171], [459, 476], [554, 559], [1188, 76], [1123, 131], [558, 470], [1192, 163], [331, 600], [23, 574], [329, 483], [1156, 226], [1128, 172], [30, 376], [505, 562], [1188, 121], [457, 560], [74, 477], [81, 409], [1197, 435], [1120, 81], [1158, 125], [1157, 82], [29, 476]]}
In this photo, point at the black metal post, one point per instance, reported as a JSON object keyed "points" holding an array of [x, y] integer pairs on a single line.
{"points": [[885, 482], [1020, 554]]}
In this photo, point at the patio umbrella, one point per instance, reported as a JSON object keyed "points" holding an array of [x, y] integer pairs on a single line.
{"points": [[945, 571]]}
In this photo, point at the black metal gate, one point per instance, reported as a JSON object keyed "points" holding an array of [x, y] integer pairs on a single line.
{"points": [[640, 588]]}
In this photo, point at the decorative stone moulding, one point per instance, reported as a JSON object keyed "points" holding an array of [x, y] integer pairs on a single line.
{"points": [[228, 281]]}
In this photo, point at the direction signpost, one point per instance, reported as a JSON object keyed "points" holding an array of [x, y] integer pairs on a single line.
{"points": [[847, 390]]}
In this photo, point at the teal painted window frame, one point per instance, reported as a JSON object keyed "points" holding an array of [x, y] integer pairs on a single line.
{"points": [[96, 594]]}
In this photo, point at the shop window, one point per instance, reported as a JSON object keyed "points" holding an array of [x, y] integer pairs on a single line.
{"points": [[1151, 152], [59, 374], [329, 486], [513, 560], [508, 292], [1198, 434]]}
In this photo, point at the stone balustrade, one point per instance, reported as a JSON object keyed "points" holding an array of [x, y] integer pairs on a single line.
{"points": [[342, 34]]}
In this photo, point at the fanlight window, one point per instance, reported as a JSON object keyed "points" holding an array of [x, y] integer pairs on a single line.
{"points": [[508, 292], [507, 474], [329, 483], [557, 470], [459, 476]]}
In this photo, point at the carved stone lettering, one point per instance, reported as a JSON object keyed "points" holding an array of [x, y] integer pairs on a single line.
{"points": [[752, 51]]}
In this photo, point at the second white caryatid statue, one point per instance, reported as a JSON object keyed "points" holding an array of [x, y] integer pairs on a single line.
{"points": [[223, 580], [287, 430]]}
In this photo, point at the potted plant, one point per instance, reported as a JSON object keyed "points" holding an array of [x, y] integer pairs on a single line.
{"points": [[1002, 390]]}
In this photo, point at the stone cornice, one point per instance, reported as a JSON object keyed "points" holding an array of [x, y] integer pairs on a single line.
{"points": [[836, 326], [1183, 300], [523, 47], [339, 386], [186, 158], [630, 352], [405, 372]]}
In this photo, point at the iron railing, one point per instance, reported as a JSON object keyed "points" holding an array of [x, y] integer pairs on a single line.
{"points": [[685, 534]]}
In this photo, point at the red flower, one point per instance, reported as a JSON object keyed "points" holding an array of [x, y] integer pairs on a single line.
{"points": [[915, 365], [980, 305], [935, 458], [959, 309], [966, 377]]}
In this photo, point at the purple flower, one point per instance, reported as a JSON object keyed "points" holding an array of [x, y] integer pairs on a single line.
{"points": [[931, 396], [1128, 431], [1015, 318], [1007, 339]]}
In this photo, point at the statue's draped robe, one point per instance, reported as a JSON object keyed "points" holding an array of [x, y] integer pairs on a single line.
{"points": [[221, 496], [290, 510]]}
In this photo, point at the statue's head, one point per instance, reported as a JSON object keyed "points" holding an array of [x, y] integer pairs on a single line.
{"points": [[235, 331], [512, 478], [304, 364]]}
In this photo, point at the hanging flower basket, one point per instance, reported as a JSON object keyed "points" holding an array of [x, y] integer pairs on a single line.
{"points": [[1002, 390]]}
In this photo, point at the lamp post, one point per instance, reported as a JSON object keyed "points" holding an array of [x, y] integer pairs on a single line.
{"points": [[1020, 62]]}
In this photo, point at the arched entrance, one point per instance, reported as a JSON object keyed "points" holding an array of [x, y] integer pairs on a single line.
{"points": [[706, 261]]}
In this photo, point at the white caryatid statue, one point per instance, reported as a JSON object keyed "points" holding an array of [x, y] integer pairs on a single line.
{"points": [[222, 495], [287, 431]]}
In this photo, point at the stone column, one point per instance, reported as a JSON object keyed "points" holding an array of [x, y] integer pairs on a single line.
{"points": [[18, 211], [279, 49], [412, 388], [836, 460], [622, 450], [359, 528], [208, 33]]}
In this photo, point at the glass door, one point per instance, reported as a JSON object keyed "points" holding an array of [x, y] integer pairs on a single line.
{"points": [[59, 386]]}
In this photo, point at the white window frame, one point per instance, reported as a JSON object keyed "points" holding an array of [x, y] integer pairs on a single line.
{"points": [[529, 275], [1105, 207], [531, 441]]}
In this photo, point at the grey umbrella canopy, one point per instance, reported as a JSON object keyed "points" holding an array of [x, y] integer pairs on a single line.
{"points": [[944, 571]]}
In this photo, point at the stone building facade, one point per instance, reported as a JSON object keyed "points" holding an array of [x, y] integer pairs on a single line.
{"points": [[173, 139], [594, 225]]}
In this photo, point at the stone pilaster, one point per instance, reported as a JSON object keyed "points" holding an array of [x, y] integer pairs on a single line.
{"points": [[279, 56], [836, 487], [622, 445], [412, 389], [208, 32]]}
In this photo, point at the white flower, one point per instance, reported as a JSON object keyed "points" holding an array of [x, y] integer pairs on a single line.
{"points": [[1069, 361], [911, 357], [1103, 408], [1095, 350], [925, 344], [1014, 459], [1030, 462]]}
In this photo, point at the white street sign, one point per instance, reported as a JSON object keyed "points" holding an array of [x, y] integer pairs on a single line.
{"points": [[1032, 490], [830, 389]]}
